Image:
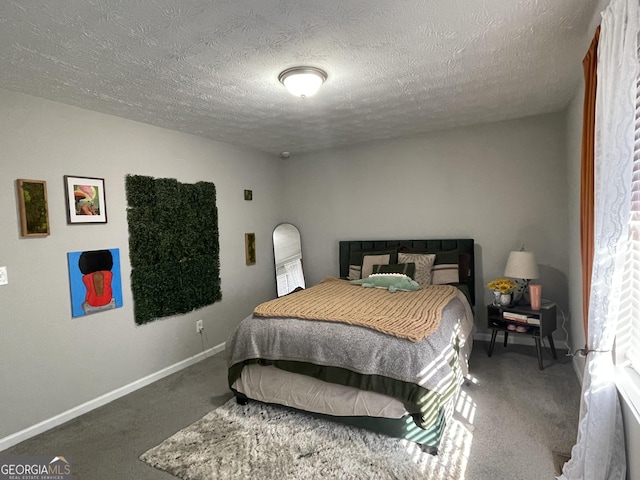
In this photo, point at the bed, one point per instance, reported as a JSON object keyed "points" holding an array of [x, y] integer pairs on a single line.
{"points": [[389, 362]]}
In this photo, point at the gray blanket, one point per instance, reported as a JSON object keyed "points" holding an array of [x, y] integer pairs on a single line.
{"points": [[359, 349]]}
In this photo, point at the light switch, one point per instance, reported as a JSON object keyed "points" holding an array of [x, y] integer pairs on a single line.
{"points": [[3, 276]]}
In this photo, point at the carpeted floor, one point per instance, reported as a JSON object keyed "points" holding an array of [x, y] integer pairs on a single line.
{"points": [[513, 416]]}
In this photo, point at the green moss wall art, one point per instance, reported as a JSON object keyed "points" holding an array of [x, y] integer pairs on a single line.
{"points": [[173, 246]]}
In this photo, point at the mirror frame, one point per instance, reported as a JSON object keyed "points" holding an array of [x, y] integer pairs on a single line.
{"points": [[287, 258]]}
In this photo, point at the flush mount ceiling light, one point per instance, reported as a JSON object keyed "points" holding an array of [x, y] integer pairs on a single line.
{"points": [[302, 81]]}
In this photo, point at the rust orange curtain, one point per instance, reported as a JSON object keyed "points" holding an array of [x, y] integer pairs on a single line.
{"points": [[589, 65]]}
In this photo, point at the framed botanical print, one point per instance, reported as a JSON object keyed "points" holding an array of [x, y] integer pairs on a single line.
{"points": [[250, 248], [32, 203]]}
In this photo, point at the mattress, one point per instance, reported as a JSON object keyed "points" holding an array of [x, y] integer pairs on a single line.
{"points": [[436, 365]]}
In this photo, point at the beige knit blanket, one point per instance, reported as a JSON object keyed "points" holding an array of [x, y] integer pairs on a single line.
{"points": [[410, 315]]}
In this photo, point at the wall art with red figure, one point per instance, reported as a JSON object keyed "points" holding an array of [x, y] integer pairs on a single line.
{"points": [[95, 281]]}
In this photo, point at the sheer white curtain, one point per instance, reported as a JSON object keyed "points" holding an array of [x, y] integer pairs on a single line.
{"points": [[599, 453]]}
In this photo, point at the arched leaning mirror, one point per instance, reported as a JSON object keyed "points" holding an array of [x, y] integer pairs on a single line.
{"points": [[287, 251]]}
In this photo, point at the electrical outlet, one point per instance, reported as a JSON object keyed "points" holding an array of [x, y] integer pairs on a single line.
{"points": [[199, 326], [4, 279]]}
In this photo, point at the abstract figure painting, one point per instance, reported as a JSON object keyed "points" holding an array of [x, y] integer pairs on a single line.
{"points": [[85, 200], [95, 281]]}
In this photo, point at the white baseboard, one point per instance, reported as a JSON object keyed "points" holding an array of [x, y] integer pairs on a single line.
{"points": [[578, 367], [74, 412]]}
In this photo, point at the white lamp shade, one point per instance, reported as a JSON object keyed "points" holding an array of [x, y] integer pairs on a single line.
{"points": [[522, 265], [303, 81]]}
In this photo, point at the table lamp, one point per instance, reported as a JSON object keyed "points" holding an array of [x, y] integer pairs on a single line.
{"points": [[521, 265]]}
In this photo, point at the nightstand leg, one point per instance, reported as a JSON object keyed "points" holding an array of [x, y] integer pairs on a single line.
{"points": [[553, 347], [506, 336], [493, 341], [539, 352]]}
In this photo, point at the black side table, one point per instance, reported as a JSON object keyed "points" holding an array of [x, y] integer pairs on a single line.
{"points": [[523, 321]]}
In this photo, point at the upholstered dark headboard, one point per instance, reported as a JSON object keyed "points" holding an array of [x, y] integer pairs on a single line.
{"points": [[462, 245]]}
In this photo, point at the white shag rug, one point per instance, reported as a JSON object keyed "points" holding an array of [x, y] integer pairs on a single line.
{"points": [[258, 441]]}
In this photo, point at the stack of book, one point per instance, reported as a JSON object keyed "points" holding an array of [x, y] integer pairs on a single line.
{"points": [[516, 317], [520, 317]]}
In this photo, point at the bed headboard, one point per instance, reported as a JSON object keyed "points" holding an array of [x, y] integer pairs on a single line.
{"points": [[462, 245]]}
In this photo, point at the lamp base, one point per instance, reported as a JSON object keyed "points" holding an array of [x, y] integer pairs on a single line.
{"points": [[520, 299]]}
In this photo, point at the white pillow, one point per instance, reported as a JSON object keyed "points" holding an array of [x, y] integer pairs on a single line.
{"points": [[423, 261]]}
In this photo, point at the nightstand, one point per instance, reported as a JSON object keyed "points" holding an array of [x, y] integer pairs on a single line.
{"points": [[523, 321]]}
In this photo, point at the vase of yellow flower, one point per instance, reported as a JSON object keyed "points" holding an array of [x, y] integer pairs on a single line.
{"points": [[502, 289], [505, 299], [496, 298]]}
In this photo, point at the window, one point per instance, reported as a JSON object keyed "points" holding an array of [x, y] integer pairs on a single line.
{"points": [[628, 337], [628, 334]]}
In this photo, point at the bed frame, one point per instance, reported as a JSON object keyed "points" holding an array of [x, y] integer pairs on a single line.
{"points": [[463, 245]]}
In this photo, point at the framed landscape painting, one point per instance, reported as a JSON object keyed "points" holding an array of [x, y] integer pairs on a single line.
{"points": [[86, 201]]}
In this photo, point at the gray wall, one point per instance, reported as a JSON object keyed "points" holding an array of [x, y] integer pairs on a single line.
{"points": [[51, 362], [574, 152], [503, 184]]}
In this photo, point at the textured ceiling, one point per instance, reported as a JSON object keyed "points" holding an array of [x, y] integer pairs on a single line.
{"points": [[210, 67]]}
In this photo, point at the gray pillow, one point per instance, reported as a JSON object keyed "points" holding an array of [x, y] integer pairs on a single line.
{"points": [[423, 263], [368, 261]]}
